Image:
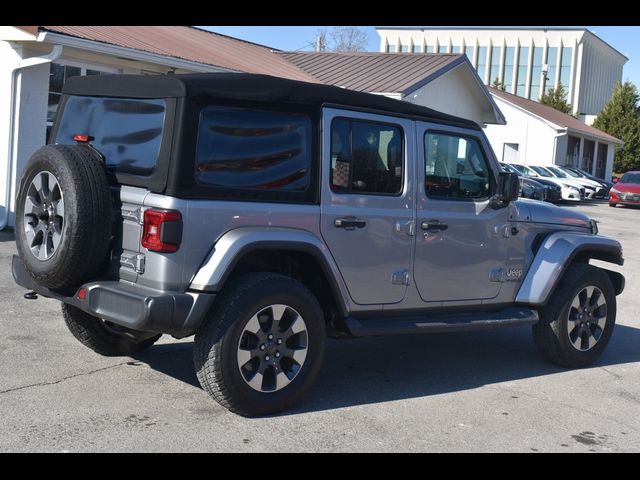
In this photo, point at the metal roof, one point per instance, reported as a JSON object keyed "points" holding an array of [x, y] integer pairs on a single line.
{"points": [[371, 71], [554, 116], [191, 44]]}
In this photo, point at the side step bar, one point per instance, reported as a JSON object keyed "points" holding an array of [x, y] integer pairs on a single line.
{"points": [[452, 322]]}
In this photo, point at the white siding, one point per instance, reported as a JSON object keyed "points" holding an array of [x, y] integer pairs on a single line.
{"points": [[535, 138], [452, 93], [600, 72]]}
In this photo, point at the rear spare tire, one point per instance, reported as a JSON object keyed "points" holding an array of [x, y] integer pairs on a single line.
{"points": [[63, 215]]}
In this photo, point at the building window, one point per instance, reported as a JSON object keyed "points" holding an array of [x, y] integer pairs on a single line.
{"points": [[404, 48], [455, 49], [468, 51], [601, 163], [494, 69], [523, 66], [587, 155], [573, 149], [565, 66], [510, 153], [58, 74], [431, 49], [416, 48], [443, 48], [508, 69], [536, 74], [482, 62], [391, 48], [366, 157]]}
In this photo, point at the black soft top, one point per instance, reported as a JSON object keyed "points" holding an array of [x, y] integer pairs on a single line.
{"points": [[246, 86]]}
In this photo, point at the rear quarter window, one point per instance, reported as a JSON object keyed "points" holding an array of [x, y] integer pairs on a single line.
{"points": [[247, 149]]}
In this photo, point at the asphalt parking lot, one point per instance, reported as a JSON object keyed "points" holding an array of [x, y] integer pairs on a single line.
{"points": [[476, 392]]}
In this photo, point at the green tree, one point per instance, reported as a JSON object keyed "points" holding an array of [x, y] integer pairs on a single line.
{"points": [[620, 117], [498, 85], [557, 98]]}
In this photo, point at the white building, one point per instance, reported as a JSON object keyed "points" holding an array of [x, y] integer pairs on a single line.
{"points": [[537, 134], [526, 61]]}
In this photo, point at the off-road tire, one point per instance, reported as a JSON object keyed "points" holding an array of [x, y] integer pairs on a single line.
{"points": [[217, 342], [101, 337], [551, 332], [87, 218]]}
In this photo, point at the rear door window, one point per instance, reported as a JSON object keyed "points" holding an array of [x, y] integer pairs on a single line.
{"points": [[366, 157]]}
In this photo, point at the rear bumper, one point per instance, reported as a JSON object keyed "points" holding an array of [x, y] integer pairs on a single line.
{"points": [[130, 305]]}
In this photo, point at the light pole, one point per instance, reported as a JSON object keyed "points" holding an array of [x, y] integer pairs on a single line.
{"points": [[545, 70]]}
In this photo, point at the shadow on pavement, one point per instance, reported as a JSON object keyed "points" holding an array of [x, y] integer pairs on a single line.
{"points": [[381, 369]]}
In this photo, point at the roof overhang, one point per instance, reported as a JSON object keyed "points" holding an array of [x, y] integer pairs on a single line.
{"points": [[127, 53], [559, 129], [597, 138]]}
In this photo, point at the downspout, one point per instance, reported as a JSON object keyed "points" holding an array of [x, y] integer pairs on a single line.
{"points": [[22, 63]]}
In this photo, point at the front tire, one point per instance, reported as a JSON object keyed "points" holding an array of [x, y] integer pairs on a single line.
{"points": [[577, 322], [103, 337], [263, 346]]}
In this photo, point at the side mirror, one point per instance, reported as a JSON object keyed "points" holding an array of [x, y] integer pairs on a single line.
{"points": [[509, 186], [508, 189]]}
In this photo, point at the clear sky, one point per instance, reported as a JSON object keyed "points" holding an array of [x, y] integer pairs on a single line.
{"points": [[625, 39]]}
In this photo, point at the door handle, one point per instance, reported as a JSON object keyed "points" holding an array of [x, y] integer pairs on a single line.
{"points": [[350, 223], [433, 226]]}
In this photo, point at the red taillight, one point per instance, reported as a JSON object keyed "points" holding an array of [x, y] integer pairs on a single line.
{"points": [[162, 230], [82, 138], [82, 294]]}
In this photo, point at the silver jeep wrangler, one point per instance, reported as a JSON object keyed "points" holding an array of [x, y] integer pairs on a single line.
{"points": [[263, 214]]}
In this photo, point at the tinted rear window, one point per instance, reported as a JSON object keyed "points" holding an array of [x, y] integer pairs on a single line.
{"points": [[128, 132], [241, 148]]}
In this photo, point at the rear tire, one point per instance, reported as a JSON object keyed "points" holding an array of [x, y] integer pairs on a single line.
{"points": [[103, 337], [577, 322], [263, 346], [63, 215]]}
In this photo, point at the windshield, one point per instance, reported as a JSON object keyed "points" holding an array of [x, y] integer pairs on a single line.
{"points": [[558, 172], [127, 131], [630, 178], [509, 169], [517, 168], [541, 171], [574, 173]]}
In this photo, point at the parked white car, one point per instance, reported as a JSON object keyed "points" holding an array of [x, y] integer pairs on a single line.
{"points": [[590, 186], [569, 192]]}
